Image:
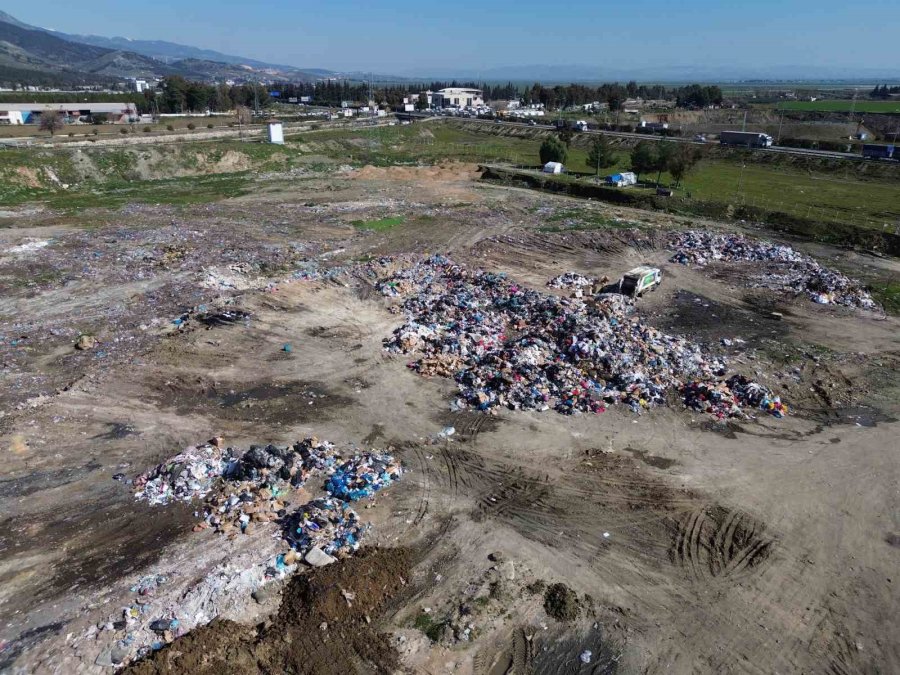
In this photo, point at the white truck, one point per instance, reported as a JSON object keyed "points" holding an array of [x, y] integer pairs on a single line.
{"points": [[581, 125], [638, 281]]}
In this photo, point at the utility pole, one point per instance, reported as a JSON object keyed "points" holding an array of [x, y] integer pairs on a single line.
{"points": [[780, 122]]}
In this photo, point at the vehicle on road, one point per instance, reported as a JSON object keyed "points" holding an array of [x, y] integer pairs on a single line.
{"points": [[878, 151], [749, 139]]}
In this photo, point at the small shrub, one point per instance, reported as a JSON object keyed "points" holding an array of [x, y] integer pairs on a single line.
{"points": [[561, 603], [71, 134], [230, 125], [96, 132], [210, 126], [191, 126], [316, 127], [123, 131], [147, 130], [169, 127]]}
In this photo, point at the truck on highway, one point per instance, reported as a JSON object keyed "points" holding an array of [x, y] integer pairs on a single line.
{"points": [[580, 125], [748, 139], [877, 151]]}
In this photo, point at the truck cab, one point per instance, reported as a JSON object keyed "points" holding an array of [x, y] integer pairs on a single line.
{"points": [[638, 281]]}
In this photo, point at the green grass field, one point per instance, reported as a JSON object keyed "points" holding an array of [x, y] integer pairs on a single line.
{"points": [[889, 107], [825, 196]]}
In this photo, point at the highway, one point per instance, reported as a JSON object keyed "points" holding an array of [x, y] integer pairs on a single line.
{"points": [[644, 137]]}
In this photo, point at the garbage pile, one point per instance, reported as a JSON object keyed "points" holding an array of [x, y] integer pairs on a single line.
{"points": [[726, 399], [509, 346], [243, 488], [570, 280], [801, 275], [328, 524]]}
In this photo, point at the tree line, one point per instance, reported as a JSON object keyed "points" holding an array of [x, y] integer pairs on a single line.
{"points": [[646, 157], [884, 91]]}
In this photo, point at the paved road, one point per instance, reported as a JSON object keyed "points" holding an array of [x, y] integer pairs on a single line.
{"points": [[649, 137]]}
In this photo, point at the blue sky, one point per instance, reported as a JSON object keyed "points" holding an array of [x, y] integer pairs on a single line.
{"points": [[402, 36]]}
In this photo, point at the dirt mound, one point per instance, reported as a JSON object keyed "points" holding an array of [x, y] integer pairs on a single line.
{"points": [[325, 625], [561, 603], [451, 171]]}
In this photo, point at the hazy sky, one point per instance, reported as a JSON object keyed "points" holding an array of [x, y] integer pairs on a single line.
{"points": [[402, 36]]}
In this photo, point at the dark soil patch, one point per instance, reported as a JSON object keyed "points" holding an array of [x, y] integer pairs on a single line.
{"points": [[561, 603], [326, 624], [103, 541], [706, 320], [859, 415], [652, 460], [285, 402]]}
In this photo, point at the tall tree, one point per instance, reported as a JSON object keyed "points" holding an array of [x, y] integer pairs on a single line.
{"points": [[665, 150], [682, 161], [553, 150], [643, 158], [601, 154], [52, 121]]}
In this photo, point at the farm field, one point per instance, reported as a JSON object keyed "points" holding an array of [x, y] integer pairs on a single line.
{"points": [[892, 107]]}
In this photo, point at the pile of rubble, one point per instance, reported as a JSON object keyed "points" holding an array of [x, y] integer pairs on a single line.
{"points": [[506, 345], [801, 274], [242, 488]]}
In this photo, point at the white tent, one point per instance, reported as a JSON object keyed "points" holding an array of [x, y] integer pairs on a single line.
{"points": [[553, 167]]}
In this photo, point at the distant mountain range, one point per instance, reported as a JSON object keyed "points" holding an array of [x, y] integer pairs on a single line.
{"points": [[676, 73], [33, 55]]}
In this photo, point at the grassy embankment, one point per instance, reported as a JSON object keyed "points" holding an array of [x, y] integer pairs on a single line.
{"points": [[115, 177], [825, 196]]}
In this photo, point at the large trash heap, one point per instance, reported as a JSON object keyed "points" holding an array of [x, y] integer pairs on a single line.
{"points": [[797, 273], [240, 488], [510, 346]]}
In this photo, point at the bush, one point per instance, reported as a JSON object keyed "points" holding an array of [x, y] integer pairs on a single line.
{"points": [[71, 134], [123, 131], [191, 126], [230, 125], [210, 126], [96, 132], [147, 130], [553, 150], [561, 603], [169, 127]]}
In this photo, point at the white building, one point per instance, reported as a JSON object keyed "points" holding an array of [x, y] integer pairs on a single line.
{"points": [[30, 113], [458, 97], [11, 117]]}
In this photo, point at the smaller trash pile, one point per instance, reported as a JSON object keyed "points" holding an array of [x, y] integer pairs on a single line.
{"points": [[243, 488], [328, 524], [509, 346], [801, 275], [726, 399], [570, 280]]}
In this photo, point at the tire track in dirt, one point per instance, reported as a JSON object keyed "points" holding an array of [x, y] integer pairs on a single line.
{"points": [[714, 542]]}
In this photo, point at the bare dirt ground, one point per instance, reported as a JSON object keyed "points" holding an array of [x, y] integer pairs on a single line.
{"points": [[691, 546]]}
